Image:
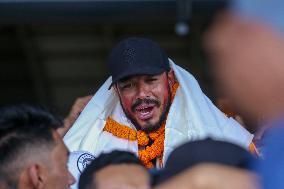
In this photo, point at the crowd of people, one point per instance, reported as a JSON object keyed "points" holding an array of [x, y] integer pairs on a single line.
{"points": [[151, 126]]}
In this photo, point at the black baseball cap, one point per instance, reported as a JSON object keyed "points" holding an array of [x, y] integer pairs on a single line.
{"points": [[136, 56]]}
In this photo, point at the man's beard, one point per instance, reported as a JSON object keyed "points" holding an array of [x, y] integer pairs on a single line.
{"points": [[150, 127]]}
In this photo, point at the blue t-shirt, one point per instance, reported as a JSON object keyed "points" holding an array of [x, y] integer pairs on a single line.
{"points": [[271, 168]]}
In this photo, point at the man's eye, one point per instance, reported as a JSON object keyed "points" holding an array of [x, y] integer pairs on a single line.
{"points": [[152, 79], [127, 86]]}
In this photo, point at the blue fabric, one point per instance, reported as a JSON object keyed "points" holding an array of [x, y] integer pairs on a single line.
{"points": [[271, 169], [270, 12]]}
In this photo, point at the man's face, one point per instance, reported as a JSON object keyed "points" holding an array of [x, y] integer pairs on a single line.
{"points": [[145, 99], [58, 174], [247, 61], [124, 176]]}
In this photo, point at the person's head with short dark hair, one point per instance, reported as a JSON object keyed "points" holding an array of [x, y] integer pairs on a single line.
{"points": [[115, 168], [197, 152], [32, 153]]}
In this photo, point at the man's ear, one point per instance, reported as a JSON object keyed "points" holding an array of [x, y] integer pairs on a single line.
{"points": [[171, 77], [115, 88], [37, 176]]}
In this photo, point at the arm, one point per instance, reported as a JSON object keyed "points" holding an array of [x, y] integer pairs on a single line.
{"points": [[76, 109]]}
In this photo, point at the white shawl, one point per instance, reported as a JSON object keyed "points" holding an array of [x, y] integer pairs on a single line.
{"points": [[192, 116]]}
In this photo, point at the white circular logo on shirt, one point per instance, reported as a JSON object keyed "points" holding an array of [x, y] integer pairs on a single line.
{"points": [[84, 160]]}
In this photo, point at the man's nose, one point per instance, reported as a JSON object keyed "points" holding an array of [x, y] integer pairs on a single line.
{"points": [[143, 91]]}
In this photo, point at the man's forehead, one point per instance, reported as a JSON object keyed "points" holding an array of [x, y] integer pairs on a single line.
{"points": [[140, 76]]}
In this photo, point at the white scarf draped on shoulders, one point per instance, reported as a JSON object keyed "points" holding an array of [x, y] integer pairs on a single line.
{"points": [[192, 116]]}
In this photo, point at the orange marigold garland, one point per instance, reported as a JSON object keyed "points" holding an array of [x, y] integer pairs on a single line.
{"points": [[123, 131], [154, 135], [154, 151], [149, 153], [119, 130], [174, 90], [142, 138]]}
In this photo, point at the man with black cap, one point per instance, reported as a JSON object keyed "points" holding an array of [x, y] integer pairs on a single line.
{"points": [[148, 106]]}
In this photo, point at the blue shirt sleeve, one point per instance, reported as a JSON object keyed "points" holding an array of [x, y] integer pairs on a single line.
{"points": [[271, 168]]}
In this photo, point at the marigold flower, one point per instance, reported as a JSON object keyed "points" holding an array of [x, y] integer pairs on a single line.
{"points": [[142, 138]]}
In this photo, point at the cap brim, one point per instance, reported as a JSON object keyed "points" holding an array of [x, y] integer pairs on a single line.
{"points": [[142, 71]]}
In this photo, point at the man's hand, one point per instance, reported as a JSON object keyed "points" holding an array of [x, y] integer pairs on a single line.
{"points": [[212, 176], [76, 109]]}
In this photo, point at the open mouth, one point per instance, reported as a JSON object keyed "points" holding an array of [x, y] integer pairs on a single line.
{"points": [[145, 111]]}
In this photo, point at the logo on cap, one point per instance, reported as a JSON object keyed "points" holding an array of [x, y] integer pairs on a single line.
{"points": [[84, 160]]}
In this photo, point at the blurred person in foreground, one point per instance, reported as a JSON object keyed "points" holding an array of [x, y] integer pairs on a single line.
{"points": [[117, 169], [246, 46], [212, 176], [33, 154], [207, 164], [149, 106], [191, 154]]}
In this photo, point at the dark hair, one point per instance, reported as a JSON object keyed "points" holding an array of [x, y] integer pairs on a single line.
{"points": [[113, 158], [197, 152], [25, 132]]}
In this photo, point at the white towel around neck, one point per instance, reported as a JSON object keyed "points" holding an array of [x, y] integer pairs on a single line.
{"points": [[192, 116]]}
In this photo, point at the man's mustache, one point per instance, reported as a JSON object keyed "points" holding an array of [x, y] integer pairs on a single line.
{"points": [[138, 102]]}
